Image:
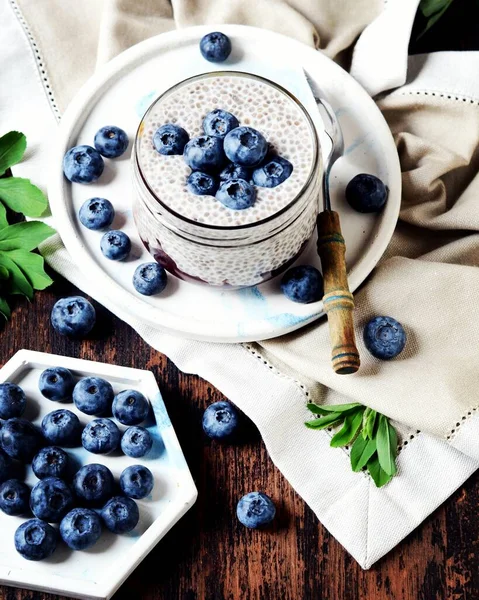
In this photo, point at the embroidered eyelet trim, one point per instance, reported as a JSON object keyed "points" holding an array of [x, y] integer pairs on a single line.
{"points": [[465, 99], [40, 62], [453, 432]]}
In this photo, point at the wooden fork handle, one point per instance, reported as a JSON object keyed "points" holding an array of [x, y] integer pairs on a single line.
{"points": [[338, 301]]}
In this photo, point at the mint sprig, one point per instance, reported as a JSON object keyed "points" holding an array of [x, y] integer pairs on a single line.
{"points": [[21, 270], [373, 438]]}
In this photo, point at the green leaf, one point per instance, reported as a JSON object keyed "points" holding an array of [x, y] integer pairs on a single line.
{"points": [[22, 196], [434, 9], [4, 274], [27, 235], [4, 308], [386, 442], [324, 422], [370, 425], [347, 433], [379, 476], [3, 216], [12, 149], [317, 410], [337, 408], [32, 266], [18, 283], [361, 451]]}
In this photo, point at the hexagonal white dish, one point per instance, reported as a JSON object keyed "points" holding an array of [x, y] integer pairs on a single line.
{"points": [[98, 572]]}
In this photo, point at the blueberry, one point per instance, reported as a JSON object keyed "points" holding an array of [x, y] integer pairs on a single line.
{"points": [[96, 213], [170, 139], [149, 279], [5, 466], [93, 484], [35, 540], [73, 316], [19, 439], [12, 400], [136, 442], [366, 193], [302, 284], [50, 462], [51, 499], [80, 528], [61, 427], [384, 337], [245, 146], [130, 407], [93, 396], [202, 184], [236, 194], [115, 245], [111, 141], [255, 510], [204, 153], [120, 515], [220, 420], [101, 436], [273, 172], [232, 171], [219, 122], [56, 383], [136, 482], [14, 498], [215, 46], [83, 164]]}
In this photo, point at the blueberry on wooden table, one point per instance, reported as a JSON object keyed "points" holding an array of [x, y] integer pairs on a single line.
{"points": [[111, 141], [303, 284], [14, 498], [215, 46], [130, 407], [50, 500], [62, 427], [50, 461], [83, 164], [96, 213], [236, 194], [204, 153], [101, 436], [20, 439], [384, 337], [115, 245], [136, 442], [12, 400], [35, 540], [255, 510], [219, 122], [137, 481], [366, 193], [149, 279], [120, 514], [74, 316], [56, 383], [93, 484], [245, 146], [220, 420], [273, 172], [93, 395], [170, 139], [80, 528]]}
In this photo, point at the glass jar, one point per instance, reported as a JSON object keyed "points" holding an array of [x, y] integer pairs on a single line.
{"points": [[233, 255]]}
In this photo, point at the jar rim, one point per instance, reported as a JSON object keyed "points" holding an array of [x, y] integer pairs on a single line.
{"points": [[207, 226]]}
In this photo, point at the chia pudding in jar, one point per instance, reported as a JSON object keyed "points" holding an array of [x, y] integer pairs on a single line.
{"points": [[197, 237]]}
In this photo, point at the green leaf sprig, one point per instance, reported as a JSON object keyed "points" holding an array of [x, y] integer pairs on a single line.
{"points": [[373, 438], [21, 270], [433, 11]]}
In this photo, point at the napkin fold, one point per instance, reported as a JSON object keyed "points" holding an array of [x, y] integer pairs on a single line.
{"points": [[427, 278]]}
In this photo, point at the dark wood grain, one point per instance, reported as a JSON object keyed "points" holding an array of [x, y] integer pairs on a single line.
{"points": [[208, 555]]}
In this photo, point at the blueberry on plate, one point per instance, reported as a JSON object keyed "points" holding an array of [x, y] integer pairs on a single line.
{"points": [[62, 427], [137, 482], [50, 462], [101, 436], [302, 284], [136, 442], [273, 172], [149, 279], [111, 141], [130, 407], [120, 514], [20, 439], [219, 122], [5, 466], [384, 337], [236, 194], [51, 499], [73, 316], [115, 245], [204, 153], [170, 139], [93, 396], [14, 498], [93, 484], [12, 400], [245, 146], [202, 184], [366, 193], [83, 164], [255, 510], [215, 46], [96, 213], [80, 528], [220, 420], [56, 383], [232, 171], [35, 540]]}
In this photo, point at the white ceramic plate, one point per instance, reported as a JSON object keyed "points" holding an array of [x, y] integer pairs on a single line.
{"points": [[98, 572], [121, 92]]}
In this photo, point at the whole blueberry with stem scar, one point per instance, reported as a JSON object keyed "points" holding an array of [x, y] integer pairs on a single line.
{"points": [[56, 383], [83, 164], [12, 400], [73, 316], [35, 540], [111, 141], [215, 46]]}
